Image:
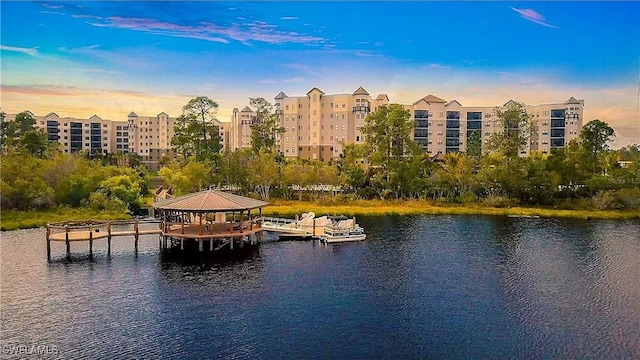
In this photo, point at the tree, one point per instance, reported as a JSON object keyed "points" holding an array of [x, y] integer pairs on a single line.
{"points": [[204, 109], [188, 141], [264, 173], [265, 132], [190, 177], [514, 124], [388, 133], [474, 144], [351, 168], [12, 132], [194, 131], [35, 142], [594, 137], [388, 142]]}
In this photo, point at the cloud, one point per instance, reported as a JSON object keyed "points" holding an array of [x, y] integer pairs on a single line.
{"points": [[55, 7], [52, 12], [306, 68], [533, 16], [296, 79], [439, 66], [289, 18], [242, 32], [27, 51], [368, 54]]}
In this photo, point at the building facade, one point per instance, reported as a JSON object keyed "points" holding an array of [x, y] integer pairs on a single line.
{"points": [[147, 136], [318, 125]]}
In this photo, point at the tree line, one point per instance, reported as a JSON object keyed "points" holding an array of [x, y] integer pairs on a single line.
{"points": [[390, 165], [36, 174]]}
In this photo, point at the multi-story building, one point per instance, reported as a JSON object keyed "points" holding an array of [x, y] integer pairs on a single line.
{"points": [[148, 136], [316, 125], [240, 128], [442, 127]]}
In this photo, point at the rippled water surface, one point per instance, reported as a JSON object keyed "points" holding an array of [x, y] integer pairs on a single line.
{"points": [[418, 287]]}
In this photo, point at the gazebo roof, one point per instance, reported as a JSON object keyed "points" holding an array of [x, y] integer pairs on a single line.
{"points": [[210, 201]]}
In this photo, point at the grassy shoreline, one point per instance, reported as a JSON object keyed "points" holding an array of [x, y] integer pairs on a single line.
{"points": [[378, 207], [13, 219]]}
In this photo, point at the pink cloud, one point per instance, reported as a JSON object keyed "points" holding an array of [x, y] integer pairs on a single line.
{"points": [[533, 16], [245, 32]]}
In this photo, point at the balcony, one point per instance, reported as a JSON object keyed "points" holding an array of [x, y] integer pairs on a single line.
{"points": [[421, 123], [361, 108], [453, 115], [421, 114], [557, 114]]}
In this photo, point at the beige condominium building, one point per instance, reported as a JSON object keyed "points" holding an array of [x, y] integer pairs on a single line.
{"points": [[446, 126], [318, 125], [148, 136]]}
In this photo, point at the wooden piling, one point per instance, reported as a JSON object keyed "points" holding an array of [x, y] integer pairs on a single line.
{"points": [[66, 239], [135, 226], [109, 238], [48, 244], [90, 241]]}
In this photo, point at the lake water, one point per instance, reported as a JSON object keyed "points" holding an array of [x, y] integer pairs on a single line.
{"points": [[418, 287]]}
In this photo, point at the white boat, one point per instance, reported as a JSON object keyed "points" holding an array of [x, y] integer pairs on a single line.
{"points": [[302, 226], [343, 230]]}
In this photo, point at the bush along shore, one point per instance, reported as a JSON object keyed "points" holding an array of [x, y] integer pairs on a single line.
{"points": [[14, 219], [407, 207]]}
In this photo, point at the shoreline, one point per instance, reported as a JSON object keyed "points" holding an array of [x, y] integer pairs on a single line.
{"points": [[15, 220], [290, 208]]}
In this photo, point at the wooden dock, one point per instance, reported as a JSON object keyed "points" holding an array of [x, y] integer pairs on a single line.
{"points": [[91, 230], [217, 235]]}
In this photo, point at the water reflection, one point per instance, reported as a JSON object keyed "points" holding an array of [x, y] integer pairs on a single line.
{"points": [[418, 287]]}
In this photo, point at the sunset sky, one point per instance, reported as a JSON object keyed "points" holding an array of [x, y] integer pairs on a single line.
{"points": [[110, 58]]}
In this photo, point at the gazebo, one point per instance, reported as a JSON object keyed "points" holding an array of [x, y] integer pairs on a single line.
{"points": [[214, 216]]}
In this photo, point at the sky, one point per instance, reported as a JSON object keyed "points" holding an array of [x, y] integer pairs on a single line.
{"points": [[110, 58]]}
